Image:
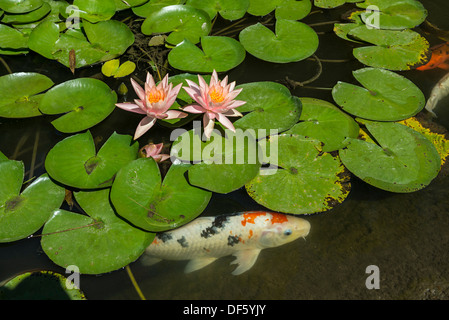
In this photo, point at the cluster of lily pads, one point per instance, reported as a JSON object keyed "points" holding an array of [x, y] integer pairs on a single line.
{"points": [[309, 147]]}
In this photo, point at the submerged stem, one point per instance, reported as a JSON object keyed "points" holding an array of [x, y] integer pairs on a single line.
{"points": [[5, 65], [134, 282]]}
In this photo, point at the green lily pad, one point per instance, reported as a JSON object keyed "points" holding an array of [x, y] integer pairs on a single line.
{"points": [[96, 243], [323, 121], [269, 106], [218, 53], [113, 68], [43, 38], [393, 49], [228, 9], [395, 15], [75, 162], [181, 21], [403, 160], [290, 9], [39, 285], [95, 10], [342, 29], [22, 214], [123, 5], [84, 102], [386, 96], [31, 16], [22, 6], [329, 4], [305, 179], [3, 157], [21, 94], [151, 6], [12, 41], [292, 41], [139, 196]]}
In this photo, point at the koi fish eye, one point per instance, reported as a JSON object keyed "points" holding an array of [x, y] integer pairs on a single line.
{"points": [[287, 232]]}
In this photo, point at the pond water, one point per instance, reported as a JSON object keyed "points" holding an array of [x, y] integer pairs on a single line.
{"points": [[404, 235]]}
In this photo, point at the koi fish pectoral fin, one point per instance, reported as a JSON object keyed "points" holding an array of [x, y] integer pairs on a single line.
{"points": [[245, 259], [149, 260], [198, 263], [444, 66]]}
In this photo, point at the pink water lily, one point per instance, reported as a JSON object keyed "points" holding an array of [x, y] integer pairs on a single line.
{"points": [[215, 100], [154, 151], [154, 101]]}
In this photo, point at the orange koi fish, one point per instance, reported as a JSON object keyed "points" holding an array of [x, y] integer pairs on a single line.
{"points": [[439, 58], [243, 235]]}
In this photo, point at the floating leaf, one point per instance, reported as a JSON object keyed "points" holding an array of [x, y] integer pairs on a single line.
{"points": [[402, 160], [304, 179], [95, 10], [151, 6], [290, 9], [96, 243], [228, 9], [126, 4], [22, 6], [21, 94], [329, 4], [12, 41], [139, 196], [292, 41], [31, 16], [75, 162], [386, 96], [84, 102], [183, 22], [323, 121], [43, 39], [22, 214], [218, 53], [113, 68]]}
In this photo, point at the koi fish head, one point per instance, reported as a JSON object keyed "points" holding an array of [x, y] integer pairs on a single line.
{"points": [[282, 231]]}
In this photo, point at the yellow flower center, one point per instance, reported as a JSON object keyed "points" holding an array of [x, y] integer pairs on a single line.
{"points": [[155, 96], [216, 94]]}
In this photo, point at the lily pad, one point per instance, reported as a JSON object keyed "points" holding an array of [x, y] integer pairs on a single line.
{"points": [[292, 41], [75, 162], [95, 10], [305, 179], [393, 49], [123, 5], [139, 196], [113, 68], [290, 9], [43, 38], [329, 4], [23, 213], [27, 17], [181, 21], [228, 9], [386, 96], [149, 7], [269, 106], [12, 41], [22, 93], [218, 53], [323, 121], [96, 243], [84, 102], [22, 6], [403, 160]]}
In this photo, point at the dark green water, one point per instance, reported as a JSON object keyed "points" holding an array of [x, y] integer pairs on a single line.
{"points": [[405, 235]]}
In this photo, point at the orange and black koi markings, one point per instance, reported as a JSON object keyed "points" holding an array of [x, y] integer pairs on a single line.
{"points": [[439, 58], [242, 235]]}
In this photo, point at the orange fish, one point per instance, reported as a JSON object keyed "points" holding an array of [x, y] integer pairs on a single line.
{"points": [[439, 59]]}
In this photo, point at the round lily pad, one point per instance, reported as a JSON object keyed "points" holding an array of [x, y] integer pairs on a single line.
{"points": [[228, 9], [12, 41], [181, 21], [290, 9], [95, 10], [27, 17], [151, 6], [218, 53], [386, 96], [75, 162], [123, 5], [139, 196], [43, 38], [402, 160], [329, 4], [292, 41], [22, 6], [96, 243], [23, 213], [303, 179], [323, 121], [84, 102], [113, 68], [21, 94], [269, 106]]}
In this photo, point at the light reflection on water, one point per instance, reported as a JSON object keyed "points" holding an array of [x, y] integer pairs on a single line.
{"points": [[403, 234]]}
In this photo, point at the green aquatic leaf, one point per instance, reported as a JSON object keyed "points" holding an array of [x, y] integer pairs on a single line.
{"points": [[123, 5], [22, 94], [386, 96], [139, 196], [20, 6], [329, 4], [228, 9], [181, 21], [23, 213], [301, 179], [402, 160], [75, 161], [113, 68], [96, 243], [323, 121], [290, 9], [84, 102], [12, 41], [151, 6], [292, 41], [95, 10], [27, 17], [218, 53], [43, 38]]}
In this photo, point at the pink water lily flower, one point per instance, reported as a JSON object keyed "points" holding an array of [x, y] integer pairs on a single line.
{"points": [[215, 100], [154, 151], [154, 101]]}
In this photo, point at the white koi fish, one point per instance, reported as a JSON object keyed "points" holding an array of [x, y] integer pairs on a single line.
{"points": [[243, 235], [439, 92]]}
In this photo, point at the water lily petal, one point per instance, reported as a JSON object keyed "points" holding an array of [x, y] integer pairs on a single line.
{"points": [[130, 107], [208, 124], [232, 113], [138, 89], [150, 80], [173, 93], [235, 103], [193, 108], [161, 157], [225, 121], [144, 125], [175, 114]]}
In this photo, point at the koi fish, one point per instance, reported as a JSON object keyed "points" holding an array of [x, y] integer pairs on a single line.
{"points": [[243, 235], [439, 91], [439, 58]]}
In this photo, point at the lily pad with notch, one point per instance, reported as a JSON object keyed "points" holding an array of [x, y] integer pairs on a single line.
{"points": [[75, 162], [330, 4], [98, 242], [151, 6], [290, 9], [95, 10], [141, 197], [13, 41], [228, 9], [22, 6]]}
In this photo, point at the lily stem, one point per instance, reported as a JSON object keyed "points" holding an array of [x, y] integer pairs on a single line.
{"points": [[5, 65], [134, 282], [315, 77]]}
